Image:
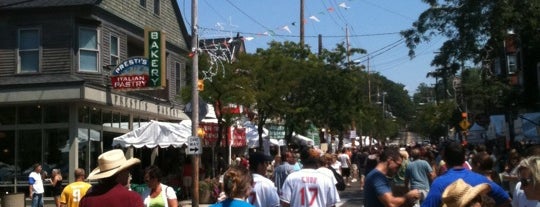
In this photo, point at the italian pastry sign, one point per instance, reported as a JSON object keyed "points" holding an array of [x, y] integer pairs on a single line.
{"points": [[140, 73]]}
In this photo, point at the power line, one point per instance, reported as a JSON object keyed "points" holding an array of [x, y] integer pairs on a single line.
{"points": [[331, 16], [388, 10], [247, 15], [339, 13], [310, 36], [380, 51], [215, 10], [252, 19], [425, 51]]}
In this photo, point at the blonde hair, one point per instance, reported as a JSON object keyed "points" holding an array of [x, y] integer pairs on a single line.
{"points": [[55, 171], [237, 182], [533, 164], [404, 154]]}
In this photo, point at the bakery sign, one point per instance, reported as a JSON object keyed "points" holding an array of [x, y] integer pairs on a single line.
{"points": [[133, 73], [143, 73]]}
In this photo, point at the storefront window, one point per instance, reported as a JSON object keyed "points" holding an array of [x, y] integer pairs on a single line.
{"points": [[116, 120], [57, 113], [84, 114], [29, 149], [136, 123], [7, 115], [124, 120], [108, 139], [30, 114], [95, 116], [56, 149], [7, 158], [84, 135], [107, 118]]}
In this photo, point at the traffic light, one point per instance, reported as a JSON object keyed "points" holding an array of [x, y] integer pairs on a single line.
{"points": [[200, 85], [464, 115]]}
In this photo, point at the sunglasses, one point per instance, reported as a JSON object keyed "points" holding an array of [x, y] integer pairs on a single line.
{"points": [[525, 181]]}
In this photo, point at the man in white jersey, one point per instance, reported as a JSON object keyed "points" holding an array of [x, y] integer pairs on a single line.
{"points": [[308, 187], [263, 192], [36, 189]]}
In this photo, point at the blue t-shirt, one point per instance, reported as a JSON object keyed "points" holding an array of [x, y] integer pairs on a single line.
{"points": [[280, 174], [232, 203], [376, 185], [418, 173], [433, 199]]}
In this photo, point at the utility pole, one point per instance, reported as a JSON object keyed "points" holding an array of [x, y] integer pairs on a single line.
{"points": [[302, 23], [348, 47], [195, 99], [320, 45], [368, 81]]}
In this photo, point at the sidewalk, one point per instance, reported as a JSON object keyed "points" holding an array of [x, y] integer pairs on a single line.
{"points": [[351, 196]]}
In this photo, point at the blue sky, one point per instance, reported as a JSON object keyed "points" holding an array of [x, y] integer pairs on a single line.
{"points": [[373, 25]]}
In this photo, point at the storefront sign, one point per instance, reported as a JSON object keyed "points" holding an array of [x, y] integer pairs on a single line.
{"points": [[238, 135], [276, 131], [143, 73], [131, 74], [155, 51]]}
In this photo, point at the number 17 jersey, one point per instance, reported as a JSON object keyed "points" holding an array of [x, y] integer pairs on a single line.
{"points": [[308, 188]]}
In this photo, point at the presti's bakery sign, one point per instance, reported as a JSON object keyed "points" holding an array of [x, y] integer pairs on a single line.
{"points": [[133, 73], [143, 73]]}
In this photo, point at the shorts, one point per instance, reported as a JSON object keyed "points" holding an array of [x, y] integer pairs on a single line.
{"points": [[346, 172]]}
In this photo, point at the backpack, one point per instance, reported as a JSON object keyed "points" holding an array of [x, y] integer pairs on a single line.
{"points": [[340, 185]]}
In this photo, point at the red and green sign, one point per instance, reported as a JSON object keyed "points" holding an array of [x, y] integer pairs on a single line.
{"points": [[143, 73], [131, 74]]}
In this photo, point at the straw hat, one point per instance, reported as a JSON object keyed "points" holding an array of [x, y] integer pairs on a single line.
{"points": [[459, 193], [111, 162]]}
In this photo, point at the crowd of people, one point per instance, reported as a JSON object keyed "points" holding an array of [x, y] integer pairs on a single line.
{"points": [[451, 175]]}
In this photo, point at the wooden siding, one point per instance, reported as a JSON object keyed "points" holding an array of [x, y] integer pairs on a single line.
{"points": [[131, 11], [8, 43], [57, 43], [59, 33], [56, 35], [172, 75]]}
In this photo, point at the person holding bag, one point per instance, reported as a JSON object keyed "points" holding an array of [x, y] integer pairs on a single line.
{"points": [[157, 194]]}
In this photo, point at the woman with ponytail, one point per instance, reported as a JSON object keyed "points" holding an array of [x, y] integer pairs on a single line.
{"points": [[237, 186]]}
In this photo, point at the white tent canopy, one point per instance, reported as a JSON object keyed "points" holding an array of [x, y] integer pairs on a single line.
{"points": [[348, 142], [252, 135], [303, 139], [155, 133]]}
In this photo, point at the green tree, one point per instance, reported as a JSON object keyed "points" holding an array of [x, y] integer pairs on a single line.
{"points": [[276, 71], [475, 32], [224, 88]]}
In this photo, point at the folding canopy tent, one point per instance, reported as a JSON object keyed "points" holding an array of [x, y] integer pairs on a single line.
{"points": [[152, 135]]}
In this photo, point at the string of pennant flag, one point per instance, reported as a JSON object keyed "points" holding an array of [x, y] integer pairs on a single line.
{"points": [[220, 52], [287, 27]]}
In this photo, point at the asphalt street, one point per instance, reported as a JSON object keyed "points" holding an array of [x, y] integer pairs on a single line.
{"points": [[352, 196]]}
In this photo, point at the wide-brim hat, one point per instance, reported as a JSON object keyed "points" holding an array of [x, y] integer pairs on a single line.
{"points": [[256, 158], [110, 163], [460, 193]]}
